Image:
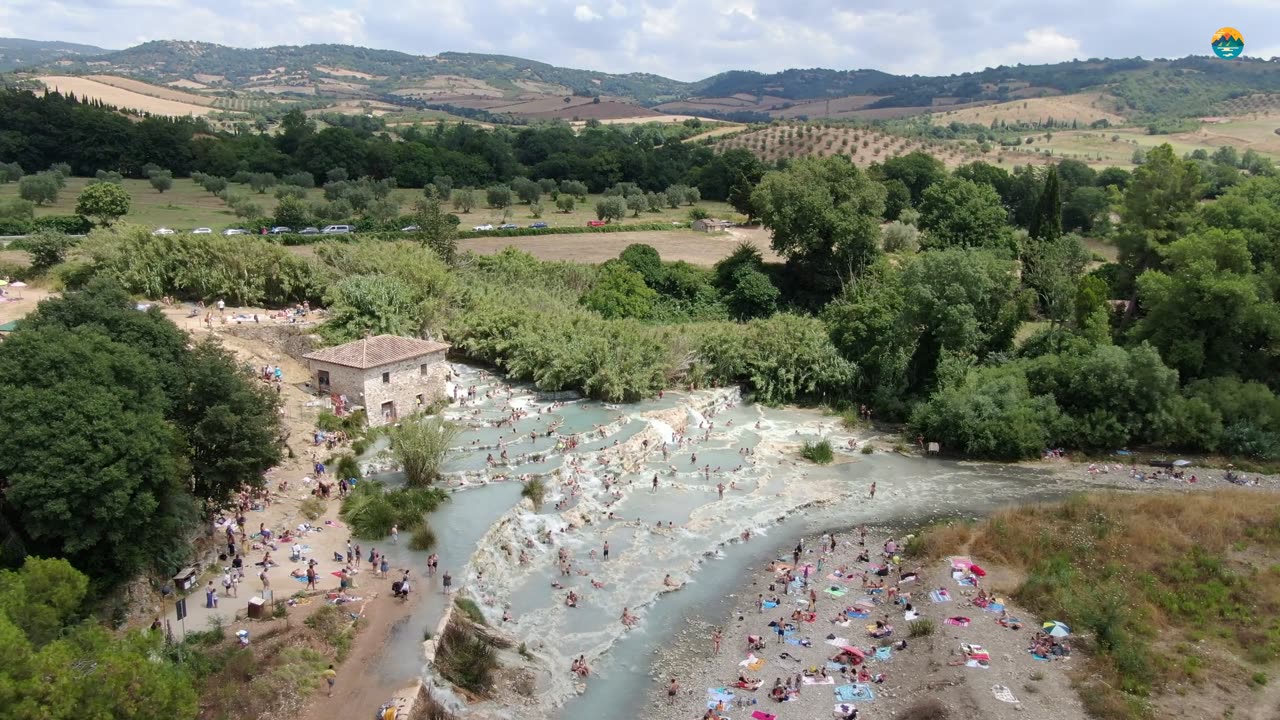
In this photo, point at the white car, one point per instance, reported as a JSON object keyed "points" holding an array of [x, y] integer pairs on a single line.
{"points": [[202, 231], [162, 231], [235, 231], [482, 228], [337, 230]]}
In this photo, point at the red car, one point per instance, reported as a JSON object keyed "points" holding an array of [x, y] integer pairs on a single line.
{"points": [[595, 223]]}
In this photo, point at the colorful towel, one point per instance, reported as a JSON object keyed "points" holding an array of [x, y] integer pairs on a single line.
{"points": [[994, 607], [752, 663], [719, 695], [769, 604], [836, 591], [762, 715], [958, 621], [940, 596], [964, 580], [855, 693], [960, 562], [819, 680], [884, 654]]}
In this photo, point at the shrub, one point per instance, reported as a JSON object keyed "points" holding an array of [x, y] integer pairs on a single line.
{"points": [[420, 445], [66, 224], [466, 659], [535, 490], [312, 508], [818, 452], [423, 538], [370, 509], [867, 449], [924, 627], [471, 610]]}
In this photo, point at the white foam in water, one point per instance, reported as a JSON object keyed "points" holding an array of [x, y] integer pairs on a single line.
{"points": [[772, 483]]}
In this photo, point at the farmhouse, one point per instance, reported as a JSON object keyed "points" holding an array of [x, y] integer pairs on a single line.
{"points": [[389, 376], [711, 225]]}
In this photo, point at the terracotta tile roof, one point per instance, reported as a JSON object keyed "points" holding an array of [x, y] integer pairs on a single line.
{"points": [[375, 351]]}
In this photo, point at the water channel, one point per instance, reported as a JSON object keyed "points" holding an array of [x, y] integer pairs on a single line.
{"points": [[498, 547]]}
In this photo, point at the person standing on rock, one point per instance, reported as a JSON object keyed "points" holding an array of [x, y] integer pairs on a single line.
{"points": [[873, 491]]}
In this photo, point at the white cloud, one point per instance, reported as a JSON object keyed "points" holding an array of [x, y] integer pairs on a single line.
{"points": [[584, 13], [1039, 45]]}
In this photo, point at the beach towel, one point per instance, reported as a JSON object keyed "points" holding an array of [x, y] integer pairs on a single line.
{"points": [[940, 596], [837, 642], [795, 641], [994, 607], [960, 562], [958, 621], [836, 591], [716, 695], [844, 623], [752, 663], [819, 680], [1003, 694], [858, 614], [302, 579], [960, 578], [769, 604], [975, 651], [762, 715], [834, 666], [884, 654], [855, 693], [910, 615]]}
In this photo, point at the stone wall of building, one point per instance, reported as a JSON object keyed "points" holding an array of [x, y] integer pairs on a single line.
{"points": [[406, 382]]}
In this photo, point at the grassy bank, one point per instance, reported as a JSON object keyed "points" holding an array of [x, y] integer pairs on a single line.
{"points": [[1166, 592]]}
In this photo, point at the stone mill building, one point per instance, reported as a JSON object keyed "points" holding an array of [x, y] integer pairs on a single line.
{"points": [[389, 376]]}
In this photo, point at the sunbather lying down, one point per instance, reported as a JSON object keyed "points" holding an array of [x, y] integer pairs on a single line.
{"points": [[747, 683]]}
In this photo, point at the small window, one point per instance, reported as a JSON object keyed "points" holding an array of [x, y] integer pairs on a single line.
{"points": [[422, 369], [386, 378], [322, 378]]}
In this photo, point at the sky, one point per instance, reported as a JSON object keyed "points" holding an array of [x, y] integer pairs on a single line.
{"points": [[681, 39]]}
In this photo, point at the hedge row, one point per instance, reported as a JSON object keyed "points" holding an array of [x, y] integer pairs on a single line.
{"points": [[295, 239]]}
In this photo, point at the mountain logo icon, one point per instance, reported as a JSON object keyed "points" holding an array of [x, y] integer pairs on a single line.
{"points": [[1227, 43]]}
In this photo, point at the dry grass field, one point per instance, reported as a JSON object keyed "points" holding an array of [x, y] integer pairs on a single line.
{"points": [[84, 87], [1084, 108], [1115, 146], [705, 249], [863, 146], [143, 88]]}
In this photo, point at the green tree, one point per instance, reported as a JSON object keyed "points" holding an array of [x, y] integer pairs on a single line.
{"points": [[261, 182], [1091, 310], [48, 248], [527, 190], [611, 208], [823, 212], [753, 294], [1159, 207], [990, 413], [574, 187], [961, 213], [437, 228], [645, 260], [1046, 223], [161, 180], [692, 195], [105, 202], [1084, 207], [898, 237], [420, 445], [90, 480], [443, 185], [565, 202], [40, 189], [674, 195], [292, 212], [498, 196], [897, 199], [985, 173], [10, 172], [620, 292], [372, 304], [214, 184], [637, 204], [17, 209], [916, 170], [464, 200], [1207, 312], [1052, 268], [108, 176], [230, 423]]}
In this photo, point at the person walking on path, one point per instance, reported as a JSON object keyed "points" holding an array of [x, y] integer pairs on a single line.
{"points": [[266, 581], [211, 596], [716, 636], [448, 582], [384, 566], [606, 549], [330, 677]]}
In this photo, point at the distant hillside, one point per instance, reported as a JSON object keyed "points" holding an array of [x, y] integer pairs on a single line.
{"points": [[17, 52], [1134, 89]]}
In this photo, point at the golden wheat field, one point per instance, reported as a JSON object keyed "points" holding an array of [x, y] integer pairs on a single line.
{"points": [[83, 87]]}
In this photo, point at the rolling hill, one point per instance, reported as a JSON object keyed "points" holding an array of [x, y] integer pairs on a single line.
{"points": [[488, 87], [17, 52]]}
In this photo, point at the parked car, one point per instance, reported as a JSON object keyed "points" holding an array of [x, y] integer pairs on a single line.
{"points": [[508, 226], [537, 226], [411, 228], [281, 230], [309, 231], [235, 231], [596, 223], [202, 231], [482, 228], [162, 231], [337, 230]]}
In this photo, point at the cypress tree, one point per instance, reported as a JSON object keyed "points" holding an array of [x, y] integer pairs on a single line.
{"points": [[1046, 221]]}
